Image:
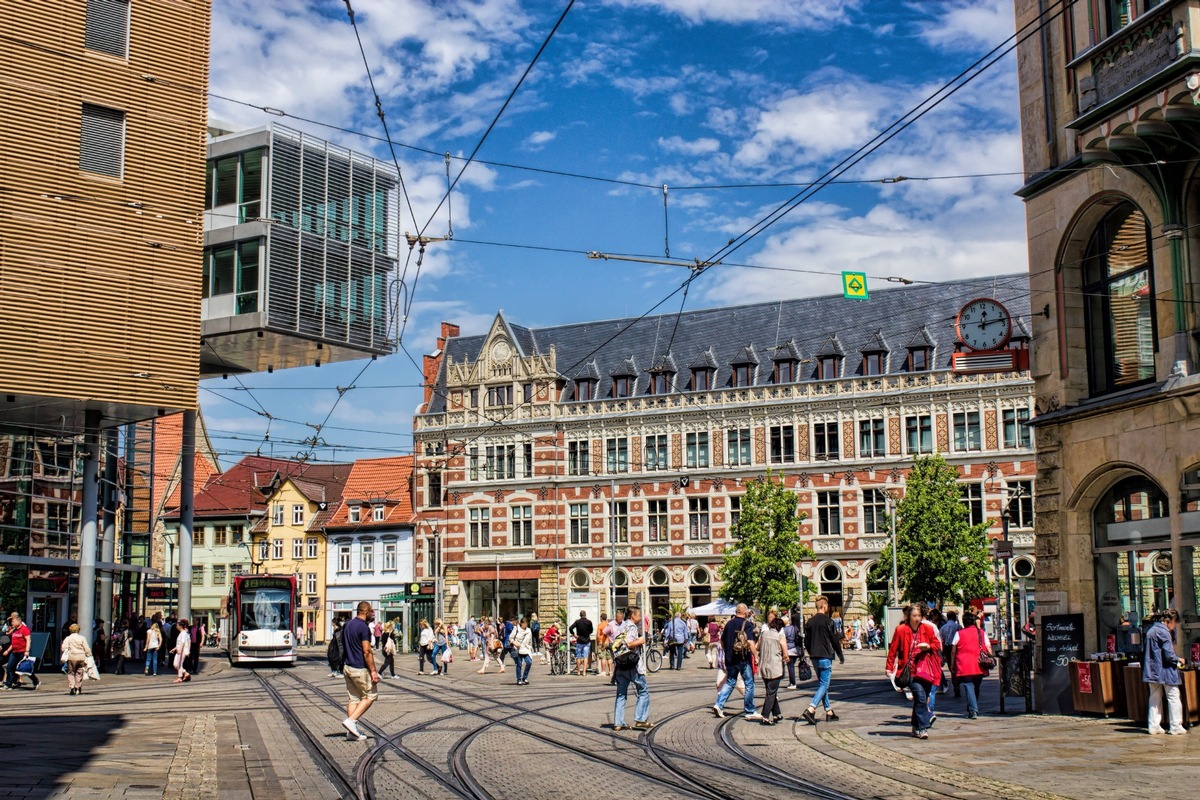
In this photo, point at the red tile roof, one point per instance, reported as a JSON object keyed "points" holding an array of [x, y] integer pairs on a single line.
{"points": [[386, 481], [245, 487]]}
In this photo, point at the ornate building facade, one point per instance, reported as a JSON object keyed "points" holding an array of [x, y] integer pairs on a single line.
{"points": [[567, 468]]}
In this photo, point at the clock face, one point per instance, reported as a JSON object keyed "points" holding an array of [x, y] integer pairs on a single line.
{"points": [[984, 324]]}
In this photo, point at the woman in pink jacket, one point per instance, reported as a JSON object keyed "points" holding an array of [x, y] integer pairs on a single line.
{"points": [[916, 646], [969, 644]]}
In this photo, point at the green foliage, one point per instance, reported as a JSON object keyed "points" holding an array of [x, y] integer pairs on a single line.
{"points": [[940, 556], [876, 604], [560, 616], [760, 569]]}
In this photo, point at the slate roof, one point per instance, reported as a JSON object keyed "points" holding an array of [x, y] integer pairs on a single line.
{"points": [[714, 337], [370, 479]]}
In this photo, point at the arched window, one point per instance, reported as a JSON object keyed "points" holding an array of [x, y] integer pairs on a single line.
{"points": [[1132, 512], [1118, 287]]}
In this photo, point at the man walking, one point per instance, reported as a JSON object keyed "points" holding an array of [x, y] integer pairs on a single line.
{"points": [[472, 638], [823, 642], [948, 631], [693, 634], [676, 636], [740, 646], [582, 629], [629, 667], [362, 679]]}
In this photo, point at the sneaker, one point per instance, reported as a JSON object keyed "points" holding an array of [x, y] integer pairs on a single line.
{"points": [[932, 719], [644, 725], [922, 735], [810, 716], [718, 712], [1177, 732], [752, 717], [355, 737], [351, 727], [791, 686], [908, 695]]}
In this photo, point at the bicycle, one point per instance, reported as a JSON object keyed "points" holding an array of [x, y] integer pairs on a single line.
{"points": [[654, 657], [560, 662]]}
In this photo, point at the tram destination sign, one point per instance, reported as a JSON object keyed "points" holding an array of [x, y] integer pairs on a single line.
{"points": [[266, 582]]}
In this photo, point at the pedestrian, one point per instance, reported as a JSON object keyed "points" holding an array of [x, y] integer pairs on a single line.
{"points": [[915, 647], [551, 640], [522, 645], [714, 643], [630, 667], [154, 641], [535, 628], [773, 655], [362, 679], [441, 648], [823, 643], [389, 648], [335, 651], [582, 629], [676, 637], [100, 639], [741, 647], [5, 643], [872, 633], [1160, 669], [693, 634], [504, 634], [795, 649], [604, 632], [472, 628], [966, 654], [140, 627], [122, 649], [181, 651], [424, 648], [947, 632], [75, 653], [18, 645]]}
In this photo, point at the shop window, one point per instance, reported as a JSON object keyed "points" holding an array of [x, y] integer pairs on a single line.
{"points": [[1118, 290]]}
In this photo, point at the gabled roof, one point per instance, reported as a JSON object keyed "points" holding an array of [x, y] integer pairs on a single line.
{"points": [[372, 479], [832, 347], [627, 368], [245, 488], [665, 363], [745, 356], [875, 344], [788, 351], [802, 324]]}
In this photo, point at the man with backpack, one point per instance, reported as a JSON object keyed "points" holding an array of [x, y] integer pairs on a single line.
{"points": [[628, 668], [676, 637], [335, 653], [740, 646]]}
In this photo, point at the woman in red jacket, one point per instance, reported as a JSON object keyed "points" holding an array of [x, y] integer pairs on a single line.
{"points": [[915, 644], [969, 643]]}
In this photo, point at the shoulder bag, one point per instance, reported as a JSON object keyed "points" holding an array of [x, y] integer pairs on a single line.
{"points": [[904, 678], [987, 661]]}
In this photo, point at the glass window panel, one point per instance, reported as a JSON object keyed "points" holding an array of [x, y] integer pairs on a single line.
{"points": [[227, 181], [222, 272]]}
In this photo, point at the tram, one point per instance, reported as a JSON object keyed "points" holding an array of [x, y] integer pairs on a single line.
{"points": [[261, 608]]}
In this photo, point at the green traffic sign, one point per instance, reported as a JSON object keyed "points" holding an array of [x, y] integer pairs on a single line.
{"points": [[854, 286]]}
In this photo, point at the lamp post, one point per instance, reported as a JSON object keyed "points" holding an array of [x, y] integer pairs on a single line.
{"points": [[890, 494], [612, 547]]}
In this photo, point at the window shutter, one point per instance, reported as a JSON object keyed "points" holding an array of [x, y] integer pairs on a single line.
{"points": [[107, 28], [102, 140]]}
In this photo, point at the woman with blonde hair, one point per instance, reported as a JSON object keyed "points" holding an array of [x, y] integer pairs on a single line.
{"points": [[425, 647], [75, 653], [441, 645], [389, 647], [154, 642], [182, 649]]}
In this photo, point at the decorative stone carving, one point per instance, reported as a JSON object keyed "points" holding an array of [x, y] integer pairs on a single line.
{"points": [[851, 569], [597, 491], [802, 480], [597, 575], [658, 551], [543, 493], [637, 573], [637, 489], [677, 573], [826, 545]]}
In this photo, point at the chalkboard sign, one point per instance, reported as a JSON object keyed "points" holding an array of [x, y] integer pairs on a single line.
{"points": [[1061, 638]]}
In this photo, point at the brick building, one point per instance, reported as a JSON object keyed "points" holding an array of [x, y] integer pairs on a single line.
{"points": [[545, 456]]}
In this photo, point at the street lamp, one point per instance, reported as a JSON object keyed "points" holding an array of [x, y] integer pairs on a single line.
{"points": [[890, 496]]}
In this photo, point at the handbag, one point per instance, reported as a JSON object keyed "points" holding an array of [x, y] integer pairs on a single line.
{"points": [[987, 661], [904, 678], [804, 671], [389, 647], [447, 656], [89, 669], [26, 665]]}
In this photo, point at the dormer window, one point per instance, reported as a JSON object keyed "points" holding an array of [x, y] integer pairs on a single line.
{"points": [[828, 368], [874, 363], [785, 371], [743, 375], [918, 359], [660, 383], [585, 390], [355, 514], [623, 385], [702, 380], [378, 513]]}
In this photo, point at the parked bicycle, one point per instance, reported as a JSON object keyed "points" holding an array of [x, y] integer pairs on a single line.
{"points": [[560, 658]]}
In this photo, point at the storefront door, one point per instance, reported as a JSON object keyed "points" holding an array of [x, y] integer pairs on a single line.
{"points": [[47, 613]]}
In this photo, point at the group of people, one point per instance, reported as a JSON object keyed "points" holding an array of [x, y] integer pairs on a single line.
{"points": [[152, 643]]}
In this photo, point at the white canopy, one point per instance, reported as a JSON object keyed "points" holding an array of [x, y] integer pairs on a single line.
{"points": [[717, 608]]}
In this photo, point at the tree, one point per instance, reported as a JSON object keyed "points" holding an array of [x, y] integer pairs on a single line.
{"points": [[940, 555], [760, 569]]}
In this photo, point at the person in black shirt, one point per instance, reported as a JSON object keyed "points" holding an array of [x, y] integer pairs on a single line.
{"points": [[582, 628], [738, 661], [823, 642]]}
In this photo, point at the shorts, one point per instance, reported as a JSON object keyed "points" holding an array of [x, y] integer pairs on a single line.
{"points": [[359, 685], [583, 650]]}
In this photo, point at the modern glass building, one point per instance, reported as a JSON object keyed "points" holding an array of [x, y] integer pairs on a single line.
{"points": [[301, 241]]}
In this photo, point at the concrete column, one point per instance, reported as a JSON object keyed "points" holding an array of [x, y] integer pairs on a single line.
{"points": [[88, 533], [187, 479], [108, 537]]}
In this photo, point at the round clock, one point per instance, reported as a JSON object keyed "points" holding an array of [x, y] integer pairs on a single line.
{"points": [[984, 324]]}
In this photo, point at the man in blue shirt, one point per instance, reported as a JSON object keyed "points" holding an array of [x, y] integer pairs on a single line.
{"points": [[738, 662], [362, 679], [676, 636]]}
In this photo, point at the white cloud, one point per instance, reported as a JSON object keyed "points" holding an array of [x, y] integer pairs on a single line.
{"points": [[806, 126], [967, 24], [694, 147], [795, 13], [680, 104], [538, 140]]}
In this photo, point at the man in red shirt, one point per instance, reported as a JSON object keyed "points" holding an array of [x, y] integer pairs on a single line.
{"points": [[19, 632]]}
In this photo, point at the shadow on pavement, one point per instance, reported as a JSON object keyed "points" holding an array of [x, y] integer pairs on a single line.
{"points": [[35, 753]]}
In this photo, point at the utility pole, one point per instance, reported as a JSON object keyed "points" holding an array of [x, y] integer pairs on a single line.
{"points": [[88, 524], [891, 505], [612, 546], [187, 480]]}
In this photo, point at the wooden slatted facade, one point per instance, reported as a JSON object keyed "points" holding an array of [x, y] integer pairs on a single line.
{"points": [[99, 275]]}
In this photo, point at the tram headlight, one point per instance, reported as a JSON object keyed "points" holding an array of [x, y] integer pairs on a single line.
{"points": [[287, 638], [245, 639]]}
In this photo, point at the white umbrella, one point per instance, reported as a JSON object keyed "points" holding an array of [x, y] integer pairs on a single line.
{"points": [[717, 608]]}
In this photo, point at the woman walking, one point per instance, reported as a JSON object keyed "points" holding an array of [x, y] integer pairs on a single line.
{"points": [[795, 649], [181, 650], [535, 628], [441, 646], [75, 652], [154, 641], [969, 651], [425, 648], [1160, 669], [915, 647], [773, 654], [493, 646], [389, 648], [522, 645]]}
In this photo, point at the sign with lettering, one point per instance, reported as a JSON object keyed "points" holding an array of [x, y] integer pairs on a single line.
{"points": [[1061, 643], [1147, 51], [1084, 671], [265, 582]]}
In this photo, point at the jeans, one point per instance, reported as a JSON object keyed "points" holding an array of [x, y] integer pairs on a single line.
{"points": [[933, 693], [523, 665], [824, 667], [970, 684], [771, 704], [1174, 708], [14, 658], [921, 715], [746, 670], [438, 666], [426, 654], [389, 662], [641, 712], [791, 665], [677, 651]]}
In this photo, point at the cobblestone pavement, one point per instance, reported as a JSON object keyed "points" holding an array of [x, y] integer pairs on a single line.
{"points": [[275, 733]]}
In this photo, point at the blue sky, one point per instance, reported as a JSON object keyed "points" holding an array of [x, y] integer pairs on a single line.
{"points": [[681, 92]]}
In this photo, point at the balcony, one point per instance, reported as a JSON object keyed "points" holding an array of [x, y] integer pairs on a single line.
{"points": [[1135, 61]]}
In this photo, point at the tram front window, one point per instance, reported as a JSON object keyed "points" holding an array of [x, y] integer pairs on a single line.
{"points": [[266, 610]]}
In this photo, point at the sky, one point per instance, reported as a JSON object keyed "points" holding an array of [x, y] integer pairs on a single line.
{"points": [[748, 94]]}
